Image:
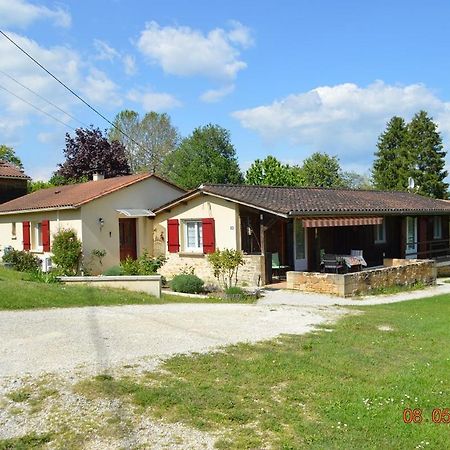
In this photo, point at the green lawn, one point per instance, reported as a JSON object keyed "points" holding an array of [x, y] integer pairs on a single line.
{"points": [[18, 292], [345, 389]]}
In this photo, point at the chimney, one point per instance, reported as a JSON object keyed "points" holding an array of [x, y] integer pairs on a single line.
{"points": [[96, 176]]}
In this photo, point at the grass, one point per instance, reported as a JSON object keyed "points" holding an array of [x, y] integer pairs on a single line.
{"points": [[20, 292], [29, 441], [342, 389], [396, 289]]}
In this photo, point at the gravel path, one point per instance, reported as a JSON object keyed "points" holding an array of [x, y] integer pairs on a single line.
{"points": [[55, 340], [278, 297]]}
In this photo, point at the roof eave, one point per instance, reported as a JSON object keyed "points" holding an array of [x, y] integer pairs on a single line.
{"points": [[369, 213], [34, 210]]}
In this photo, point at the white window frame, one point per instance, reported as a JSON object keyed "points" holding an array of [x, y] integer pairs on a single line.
{"points": [[37, 239], [380, 233], [437, 227], [198, 226]]}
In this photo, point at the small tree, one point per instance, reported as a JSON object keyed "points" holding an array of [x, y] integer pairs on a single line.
{"points": [[225, 264], [66, 251]]}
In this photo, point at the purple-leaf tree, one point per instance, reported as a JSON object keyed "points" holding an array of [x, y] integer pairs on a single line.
{"points": [[90, 151]]}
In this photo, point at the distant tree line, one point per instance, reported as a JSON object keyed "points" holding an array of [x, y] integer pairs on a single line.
{"points": [[152, 143]]}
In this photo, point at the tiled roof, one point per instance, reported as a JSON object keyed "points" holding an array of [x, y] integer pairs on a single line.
{"points": [[309, 201], [8, 170], [71, 196]]}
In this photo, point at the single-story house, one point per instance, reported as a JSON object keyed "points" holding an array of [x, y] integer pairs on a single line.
{"points": [[299, 225], [13, 182], [107, 214]]}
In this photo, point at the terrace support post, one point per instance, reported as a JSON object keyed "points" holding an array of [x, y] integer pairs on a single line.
{"points": [[265, 276]]}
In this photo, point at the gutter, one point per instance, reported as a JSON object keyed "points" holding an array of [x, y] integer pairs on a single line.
{"points": [[34, 210]]}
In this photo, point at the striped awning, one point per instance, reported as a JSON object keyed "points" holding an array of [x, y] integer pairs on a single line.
{"points": [[316, 222]]}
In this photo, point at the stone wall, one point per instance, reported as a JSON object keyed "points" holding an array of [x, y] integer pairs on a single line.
{"points": [[394, 273], [249, 274]]}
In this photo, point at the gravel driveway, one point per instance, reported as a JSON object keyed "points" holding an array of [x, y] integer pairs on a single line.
{"points": [[56, 340]]}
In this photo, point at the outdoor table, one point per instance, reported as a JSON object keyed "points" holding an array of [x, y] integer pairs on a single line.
{"points": [[353, 261]]}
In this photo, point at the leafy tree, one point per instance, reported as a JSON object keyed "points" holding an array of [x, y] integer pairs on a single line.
{"points": [[9, 155], [206, 156], [321, 170], [270, 172], [34, 186], [354, 180], [147, 141], [425, 144], [67, 251], [393, 160], [89, 151]]}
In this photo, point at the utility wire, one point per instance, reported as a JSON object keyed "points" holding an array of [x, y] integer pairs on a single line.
{"points": [[43, 98], [36, 108], [73, 93]]}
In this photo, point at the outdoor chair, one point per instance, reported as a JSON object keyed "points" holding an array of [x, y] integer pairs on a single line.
{"points": [[276, 266], [331, 263], [356, 252]]}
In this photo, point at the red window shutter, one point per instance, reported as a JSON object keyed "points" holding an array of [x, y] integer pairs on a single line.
{"points": [[26, 235], [173, 235], [209, 236], [45, 226]]}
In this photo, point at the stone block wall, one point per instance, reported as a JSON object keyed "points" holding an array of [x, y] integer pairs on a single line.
{"points": [[394, 273], [250, 274]]}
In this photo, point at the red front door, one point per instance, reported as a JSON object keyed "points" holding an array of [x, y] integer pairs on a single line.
{"points": [[127, 238]]}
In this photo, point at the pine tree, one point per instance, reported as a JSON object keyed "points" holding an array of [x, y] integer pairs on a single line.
{"points": [[425, 143], [393, 162]]}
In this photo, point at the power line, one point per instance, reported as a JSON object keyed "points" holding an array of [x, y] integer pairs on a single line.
{"points": [[73, 93], [36, 108], [43, 98]]}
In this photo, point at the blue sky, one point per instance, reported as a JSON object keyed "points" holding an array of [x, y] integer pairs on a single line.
{"points": [[285, 77]]}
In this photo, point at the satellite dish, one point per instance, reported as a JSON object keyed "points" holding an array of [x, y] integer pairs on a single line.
{"points": [[411, 183]]}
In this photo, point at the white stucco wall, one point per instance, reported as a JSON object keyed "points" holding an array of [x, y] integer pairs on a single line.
{"points": [[146, 194], [226, 220], [65, 218]]}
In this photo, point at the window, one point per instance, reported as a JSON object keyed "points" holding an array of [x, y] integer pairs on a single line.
{"points": [[299, 240], [13, 230], [411, 235], [380, 233], [37, 236], [437, 227], [193, 236]]}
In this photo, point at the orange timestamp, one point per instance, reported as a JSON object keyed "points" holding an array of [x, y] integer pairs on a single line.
{"points": [[438, 415]]}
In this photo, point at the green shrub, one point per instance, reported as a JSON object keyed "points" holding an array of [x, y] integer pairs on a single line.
{"points": [[113, 271], [144, 265], [44, 277], [235, 290], [225, 264], [190, 284], [66, 251], [22, 261]]}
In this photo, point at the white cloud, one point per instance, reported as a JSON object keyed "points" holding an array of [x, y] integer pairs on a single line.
{"points": [[20, 13], [100, 89], [214, 95], [180, 50], [104, 51], [154, 101], [344, 119], [129, 64], [67, 65]]}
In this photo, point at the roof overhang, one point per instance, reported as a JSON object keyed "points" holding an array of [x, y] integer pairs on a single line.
{"points": [[136, 212], [35, 210]]}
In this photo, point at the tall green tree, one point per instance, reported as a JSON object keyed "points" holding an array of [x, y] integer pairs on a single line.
{"points": [[206, 156], [148, 140], [393, 159], [321, 170], [89, 151], [425, 144], [9, 155], [271, 172]]}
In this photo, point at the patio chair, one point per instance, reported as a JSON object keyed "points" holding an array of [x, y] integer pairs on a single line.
{"points": [[356, 252], [276, 266], [331, 263]]}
